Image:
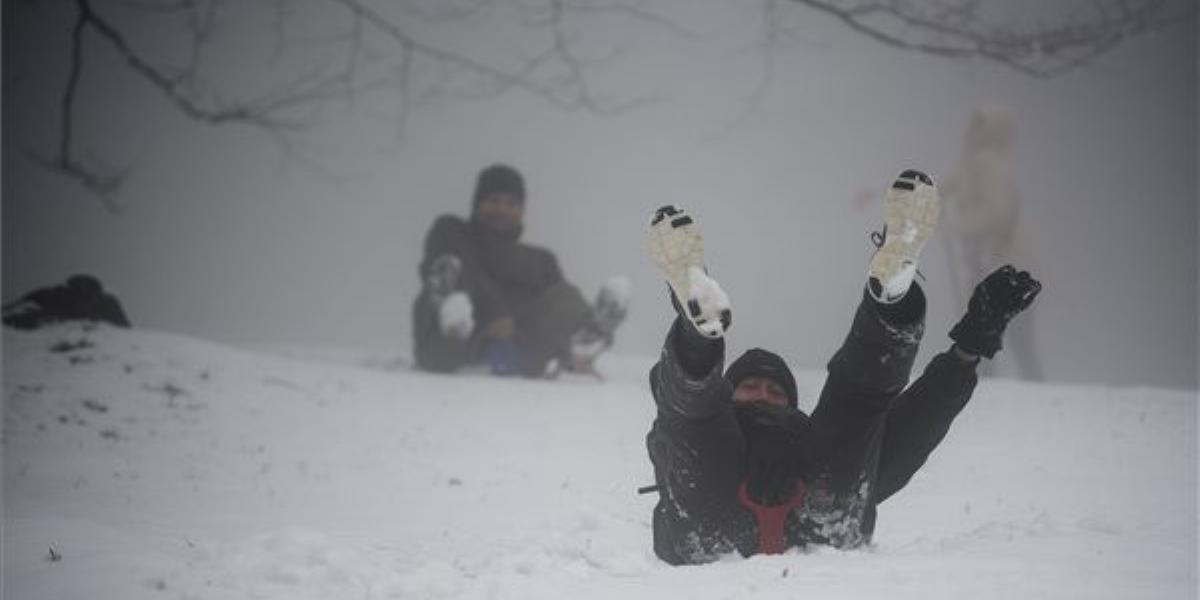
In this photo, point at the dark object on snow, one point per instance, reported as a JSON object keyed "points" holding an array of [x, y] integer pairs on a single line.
{"points": [[753, 477], [81, 298], [996, 300]]}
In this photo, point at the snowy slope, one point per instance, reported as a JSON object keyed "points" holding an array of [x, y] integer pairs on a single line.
{"points": [[158, 466]]}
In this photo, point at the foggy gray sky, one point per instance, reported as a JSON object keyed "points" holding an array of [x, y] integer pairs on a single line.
{"points": [[225, 239]]}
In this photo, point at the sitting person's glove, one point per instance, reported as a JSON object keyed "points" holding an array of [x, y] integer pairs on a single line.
{"points": [[996, 300], [455, 316]]}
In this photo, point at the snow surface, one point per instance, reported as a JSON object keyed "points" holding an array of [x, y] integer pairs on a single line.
{"points": [[148, 465]]}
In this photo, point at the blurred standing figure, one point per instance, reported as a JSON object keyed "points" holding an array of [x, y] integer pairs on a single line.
{"points": [[984, 209], [489, 298], [82, 298]]}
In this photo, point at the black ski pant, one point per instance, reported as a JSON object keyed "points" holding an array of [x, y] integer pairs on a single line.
{"points": [[871, 431]]}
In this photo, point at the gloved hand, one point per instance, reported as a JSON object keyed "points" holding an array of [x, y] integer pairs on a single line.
{"points": [[455, 316], [996, 300]]}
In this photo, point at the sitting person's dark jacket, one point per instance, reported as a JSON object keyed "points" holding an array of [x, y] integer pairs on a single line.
{"points": [[523, 313], [81, 298]]}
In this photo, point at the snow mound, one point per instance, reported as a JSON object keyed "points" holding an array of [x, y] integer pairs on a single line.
{"points": [[147, 465]]}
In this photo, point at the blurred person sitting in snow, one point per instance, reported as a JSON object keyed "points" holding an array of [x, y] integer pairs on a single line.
{"points": [[81, 298], [489, 298], [739, 467]]}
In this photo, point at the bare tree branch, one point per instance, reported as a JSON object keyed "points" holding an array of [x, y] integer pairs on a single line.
{"points": [[169, 85], [635, 13], [556, 74], [394, 47], [957, 30], [501, 79], [266, 113], [103, 184]]}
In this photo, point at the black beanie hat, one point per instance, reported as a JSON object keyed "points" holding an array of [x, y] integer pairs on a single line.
{"points": [[499, 179], [761, 363]]}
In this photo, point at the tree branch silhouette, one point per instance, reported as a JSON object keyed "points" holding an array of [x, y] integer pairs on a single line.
{"points": [[956, 29], [386, 46]]}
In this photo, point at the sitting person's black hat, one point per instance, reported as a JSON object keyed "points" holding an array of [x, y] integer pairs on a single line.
{"points": [[499, 178]]}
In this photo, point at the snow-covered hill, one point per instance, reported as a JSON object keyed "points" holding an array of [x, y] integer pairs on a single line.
{"points": [[147, 465]]}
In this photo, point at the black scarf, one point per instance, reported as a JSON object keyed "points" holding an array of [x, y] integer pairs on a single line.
{"points": [[776, 453]]}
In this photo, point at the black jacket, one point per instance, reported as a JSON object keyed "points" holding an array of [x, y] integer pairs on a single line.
{"points": [[722, 468]]}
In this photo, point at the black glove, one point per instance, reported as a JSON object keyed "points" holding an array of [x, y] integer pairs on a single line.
{"points": [[996, 300]]}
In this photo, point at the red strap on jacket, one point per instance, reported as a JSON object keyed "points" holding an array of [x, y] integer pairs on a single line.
{"points": [[771, 519]]}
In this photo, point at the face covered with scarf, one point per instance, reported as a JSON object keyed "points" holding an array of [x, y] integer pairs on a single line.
{"points": [[774, 429]]}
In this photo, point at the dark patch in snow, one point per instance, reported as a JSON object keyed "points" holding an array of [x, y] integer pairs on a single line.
{"points": [[95, 406], [64, 346], [168, 389], [276, 381], [69, 419]]}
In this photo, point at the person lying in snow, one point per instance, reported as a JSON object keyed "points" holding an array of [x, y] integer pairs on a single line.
{"points": [[739, 467], [81, 298], [488, 298]]}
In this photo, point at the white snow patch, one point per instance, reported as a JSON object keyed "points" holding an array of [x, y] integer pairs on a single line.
{"points": [[712, 299], [455, 315], [619, 289], [158, 466], [898, 284]]}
